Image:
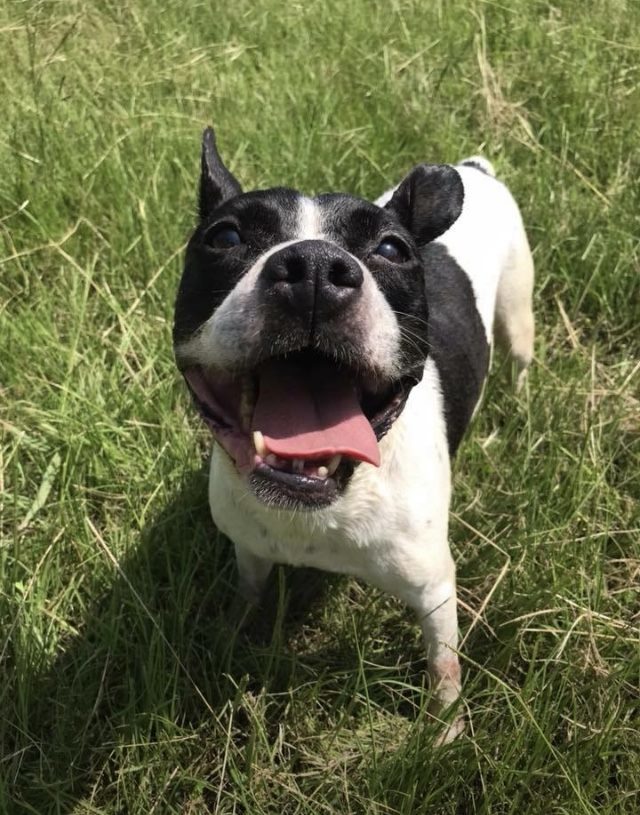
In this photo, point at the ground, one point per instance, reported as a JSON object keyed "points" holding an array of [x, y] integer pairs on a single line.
{"points": [[124, 690]]}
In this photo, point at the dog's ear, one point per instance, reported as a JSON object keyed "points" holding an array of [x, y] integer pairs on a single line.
{"points": [[217, 184], [428, 201]]}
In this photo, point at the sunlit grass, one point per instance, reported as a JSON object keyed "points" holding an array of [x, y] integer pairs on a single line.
{"points": [[123, 688]]}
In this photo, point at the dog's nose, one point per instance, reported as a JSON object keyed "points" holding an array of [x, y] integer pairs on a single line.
{"points": [[313, 277]]}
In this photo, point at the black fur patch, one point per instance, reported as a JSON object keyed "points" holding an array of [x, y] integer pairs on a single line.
{"points": [[457, 339], [428, 201], [476, 166]]}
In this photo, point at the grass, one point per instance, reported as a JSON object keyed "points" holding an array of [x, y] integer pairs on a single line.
{"points": [[122, 688]]}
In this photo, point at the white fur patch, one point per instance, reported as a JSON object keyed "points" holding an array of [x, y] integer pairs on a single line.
{"points": [[481, 163], [382, 340], [385, 197], [309, 220]]}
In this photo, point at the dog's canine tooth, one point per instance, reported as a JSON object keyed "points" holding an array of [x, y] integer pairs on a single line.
{"points": [[333, 464], [258, 443], [323, 472]]}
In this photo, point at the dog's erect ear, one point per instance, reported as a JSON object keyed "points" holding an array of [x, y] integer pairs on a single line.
{"points": [[428, 201], [217, 184]]}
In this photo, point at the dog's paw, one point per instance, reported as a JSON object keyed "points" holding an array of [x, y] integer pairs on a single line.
{"points": [[450, 731], [444, 710], [521, 379]]}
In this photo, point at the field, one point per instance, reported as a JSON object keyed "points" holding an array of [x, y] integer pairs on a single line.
{"points": [[123, 687]]}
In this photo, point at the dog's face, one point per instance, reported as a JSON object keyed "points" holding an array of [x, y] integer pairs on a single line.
{"points": [[301, 323]]}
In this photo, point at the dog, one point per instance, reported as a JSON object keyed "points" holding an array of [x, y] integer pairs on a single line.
{"points": [[337, 349]]}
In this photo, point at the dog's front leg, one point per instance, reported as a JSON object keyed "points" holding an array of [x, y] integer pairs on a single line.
{"points": [[437, 614], [253, 572]]}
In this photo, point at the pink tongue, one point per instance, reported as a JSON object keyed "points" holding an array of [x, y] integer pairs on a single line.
{"points": [[312, 413]]}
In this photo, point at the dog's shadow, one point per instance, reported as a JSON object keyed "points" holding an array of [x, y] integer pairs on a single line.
{"points": [[158, 645]]}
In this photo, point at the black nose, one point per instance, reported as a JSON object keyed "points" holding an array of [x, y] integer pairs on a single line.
{"points": [[312, 278]]}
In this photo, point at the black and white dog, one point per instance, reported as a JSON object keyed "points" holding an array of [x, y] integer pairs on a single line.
{"points": [[337, 350]]}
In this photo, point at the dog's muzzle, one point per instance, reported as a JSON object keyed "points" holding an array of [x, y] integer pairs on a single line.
{"points": [[308, 404]]}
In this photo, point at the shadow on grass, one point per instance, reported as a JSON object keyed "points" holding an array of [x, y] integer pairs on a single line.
{"points": [[157, 658], [157, 648]]}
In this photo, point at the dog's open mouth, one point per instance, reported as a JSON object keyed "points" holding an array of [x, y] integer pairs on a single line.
{"points": [[298, 424]]}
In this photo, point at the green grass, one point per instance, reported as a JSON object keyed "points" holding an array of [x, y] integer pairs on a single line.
{"points": [[122, 689]]}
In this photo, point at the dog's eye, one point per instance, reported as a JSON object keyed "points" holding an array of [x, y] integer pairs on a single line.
{"points": [[392, 250], [223, 236]]}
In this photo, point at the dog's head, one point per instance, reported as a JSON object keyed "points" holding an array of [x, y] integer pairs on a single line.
{"points": [[301, 323]]}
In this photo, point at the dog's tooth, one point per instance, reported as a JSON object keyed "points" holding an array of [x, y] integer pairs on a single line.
{"points": [[258, 443], [297, 465], [333, 465], [323, 472]]}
